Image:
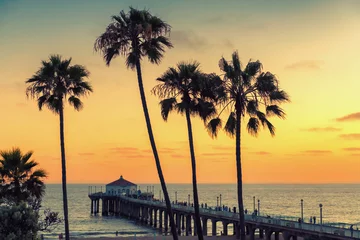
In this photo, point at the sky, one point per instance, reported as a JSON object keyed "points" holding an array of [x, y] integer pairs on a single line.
{"points": [[312, 46]]}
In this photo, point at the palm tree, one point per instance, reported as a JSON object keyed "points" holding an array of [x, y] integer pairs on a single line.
{"points": [[54, 83], [183, 89], [135, 35], [19, 179], [246, 90]]}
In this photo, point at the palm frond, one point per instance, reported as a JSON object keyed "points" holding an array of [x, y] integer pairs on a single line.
{"points": [[213, 127], [155, 47], [230, 126], [75, 102], [279, 96], [40, 173], [236, 62], [167, 105], [205, 109], [274, 110], [252, 107], [253, 126], [41, 100], [181, 107], [253, 68], [266, 83]]}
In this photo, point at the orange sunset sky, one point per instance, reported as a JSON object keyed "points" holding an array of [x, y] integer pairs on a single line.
{"points": [[312, 46]]}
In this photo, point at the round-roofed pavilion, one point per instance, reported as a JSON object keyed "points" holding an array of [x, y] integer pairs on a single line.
{"points": [[121, 186]]}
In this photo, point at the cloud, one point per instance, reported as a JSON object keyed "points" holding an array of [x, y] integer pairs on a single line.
{"points": [[317, 152], [132, 152], [21, 105], [350, 136], [124, 149], [191, 40], [350, 117], [87, 154], [324, 129], [216, 154], [168, 150], [215, 19], [261, 153], [229, 44], [306, 64], [137, 156], [219, 160], [188, 39], [162, 150], [355, 154], [352, 149], [222, 148]]}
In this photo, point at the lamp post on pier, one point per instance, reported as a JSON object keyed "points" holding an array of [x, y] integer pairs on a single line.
{"points": [[254, 203], [189, 199], [302, 210], [176, 197], [217, 202], [320, 205], [220, 202], [258, 207]]}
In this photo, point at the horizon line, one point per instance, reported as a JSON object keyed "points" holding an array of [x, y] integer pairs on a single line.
{"points": [[295, 183]]}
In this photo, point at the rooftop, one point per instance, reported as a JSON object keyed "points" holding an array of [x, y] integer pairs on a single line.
{"points": [[121, 182]]}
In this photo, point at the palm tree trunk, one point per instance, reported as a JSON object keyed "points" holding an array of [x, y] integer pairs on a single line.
{"points": [[156, 155], [63, 166], [239, 178], [194, 181]]}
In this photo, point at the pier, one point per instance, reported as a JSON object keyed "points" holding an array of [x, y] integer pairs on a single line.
{"points": [[153, 213]]}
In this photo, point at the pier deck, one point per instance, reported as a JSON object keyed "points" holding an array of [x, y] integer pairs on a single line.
{"points": [[154, 214]]}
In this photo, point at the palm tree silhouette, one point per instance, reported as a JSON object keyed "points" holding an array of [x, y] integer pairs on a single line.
{"points": [[54, 83], [245, 91], [184, 89], [20, 181], [135, 35]]}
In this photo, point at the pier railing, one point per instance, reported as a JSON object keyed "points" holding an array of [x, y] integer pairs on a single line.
{"points": [[252, 218], [260, 219]]}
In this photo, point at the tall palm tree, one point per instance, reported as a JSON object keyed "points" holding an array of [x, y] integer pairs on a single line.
{"points": [[55, 82], [183, 89], [19, 179], [135, 35], [246, 91]]}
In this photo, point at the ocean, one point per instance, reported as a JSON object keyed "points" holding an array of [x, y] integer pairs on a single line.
{"points": [[341, 203]]}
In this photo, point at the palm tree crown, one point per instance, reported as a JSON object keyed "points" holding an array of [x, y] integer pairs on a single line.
{"points": [[20, 181], [56, 80], [135, 35], [186, 87], [245, 91]]}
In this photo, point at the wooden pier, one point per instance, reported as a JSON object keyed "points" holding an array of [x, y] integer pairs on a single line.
{"points": [[154, 214]]}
